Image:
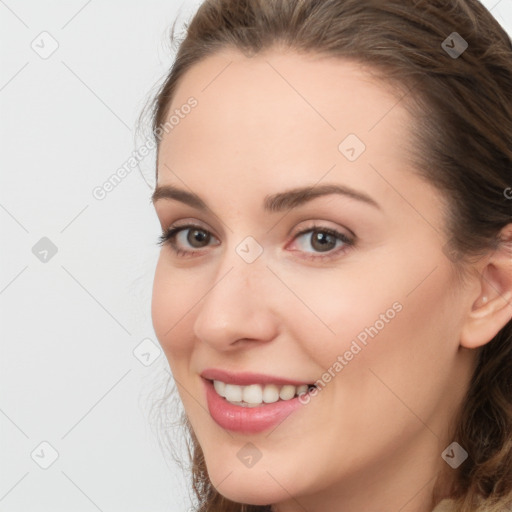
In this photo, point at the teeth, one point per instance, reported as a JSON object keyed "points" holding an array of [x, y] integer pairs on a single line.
{"points": [[219, 387], [287, 392], [255, 394], [233, 393], [302, 389], [252, 394], [270, 394]]}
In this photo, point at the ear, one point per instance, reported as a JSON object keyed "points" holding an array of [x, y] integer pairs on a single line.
{"points": [[492, 309]]}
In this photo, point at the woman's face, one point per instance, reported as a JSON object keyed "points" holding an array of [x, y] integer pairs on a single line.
{"points": [[267, 292]]}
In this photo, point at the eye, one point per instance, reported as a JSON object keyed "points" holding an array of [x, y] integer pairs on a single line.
{"points": [[178, 236], [322, 239]]}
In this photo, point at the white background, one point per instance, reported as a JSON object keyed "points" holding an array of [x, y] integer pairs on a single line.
{"points": [[69, 326]]}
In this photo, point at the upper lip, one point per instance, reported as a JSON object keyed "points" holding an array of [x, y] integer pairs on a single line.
{"points": [[247, 378]]}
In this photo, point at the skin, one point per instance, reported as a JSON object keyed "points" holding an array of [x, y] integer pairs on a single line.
{"points": [[372, 438]]}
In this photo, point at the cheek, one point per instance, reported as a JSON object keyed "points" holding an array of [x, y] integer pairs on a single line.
{"points": [[404, 369], [400, 299], [340, 309], [173, 298], [389, 321]]}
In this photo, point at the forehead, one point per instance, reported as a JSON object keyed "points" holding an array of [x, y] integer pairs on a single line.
{"points": [[280, 115]]}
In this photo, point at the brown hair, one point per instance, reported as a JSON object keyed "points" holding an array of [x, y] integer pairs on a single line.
{"points": [[462, 134]]}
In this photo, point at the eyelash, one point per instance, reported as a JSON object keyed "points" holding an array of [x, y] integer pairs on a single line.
{"points": [[168, 238]]}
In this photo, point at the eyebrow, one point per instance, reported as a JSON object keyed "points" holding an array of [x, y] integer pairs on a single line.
{"points": [[288, 199]]}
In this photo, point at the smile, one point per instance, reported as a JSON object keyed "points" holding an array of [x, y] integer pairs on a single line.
{"points": [[255, 395], [251, 403]]}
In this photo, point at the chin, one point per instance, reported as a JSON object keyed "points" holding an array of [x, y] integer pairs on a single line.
{"points": [[249, 488]]}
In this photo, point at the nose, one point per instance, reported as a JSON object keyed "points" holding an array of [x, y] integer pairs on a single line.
{"points": [[238, 306]]}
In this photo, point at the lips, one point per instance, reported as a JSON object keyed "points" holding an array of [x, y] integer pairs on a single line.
{"points": [[240, 417], [248, 378], [248, 420]]}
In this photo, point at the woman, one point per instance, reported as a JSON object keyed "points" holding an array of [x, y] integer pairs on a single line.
{"points": [[333, 292]]}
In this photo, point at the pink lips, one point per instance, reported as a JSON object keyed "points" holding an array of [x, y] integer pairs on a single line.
{"points": [[247, 420], [246, 378]]}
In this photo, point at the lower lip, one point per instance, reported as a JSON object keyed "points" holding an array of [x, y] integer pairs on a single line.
{"points": [[248, 420]]}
